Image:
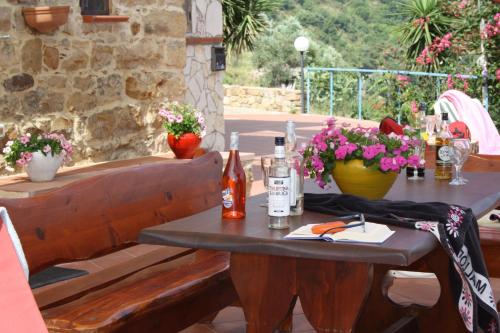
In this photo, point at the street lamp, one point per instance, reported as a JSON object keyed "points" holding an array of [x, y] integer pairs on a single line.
{"points": [[301, 44]]}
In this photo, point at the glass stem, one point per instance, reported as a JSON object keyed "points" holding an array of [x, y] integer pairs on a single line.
{"points": [[458, 171]]}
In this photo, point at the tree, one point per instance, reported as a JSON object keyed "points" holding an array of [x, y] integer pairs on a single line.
{"points": [[277, 58], [244, 21]]}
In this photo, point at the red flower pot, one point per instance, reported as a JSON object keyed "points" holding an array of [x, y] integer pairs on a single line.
{"points": [[185, 146]]}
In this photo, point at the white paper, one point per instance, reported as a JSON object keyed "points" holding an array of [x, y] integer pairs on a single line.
{"points": [[374, 234]]}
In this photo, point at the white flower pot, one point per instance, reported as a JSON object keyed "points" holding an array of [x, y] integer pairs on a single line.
{"points": [[43, 168]]}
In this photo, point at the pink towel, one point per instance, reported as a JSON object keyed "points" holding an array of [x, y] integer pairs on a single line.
{"points": [[18, 310], [482, 128]]}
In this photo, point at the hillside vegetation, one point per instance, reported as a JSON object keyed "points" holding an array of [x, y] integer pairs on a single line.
{"points": [[356, 33]]}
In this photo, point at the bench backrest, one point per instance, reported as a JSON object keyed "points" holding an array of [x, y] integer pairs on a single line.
{"points": [[102, 213]]}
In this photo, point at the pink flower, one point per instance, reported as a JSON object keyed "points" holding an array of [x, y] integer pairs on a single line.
{"points": [[21, 162], [25, 139], [385, 163], [179, 119], [27, 156], [351, 147], [341, 152], [47, 149], [342, 140], [414, 161], [320, 182], [322, 146], [401, 161], [497, 74]]}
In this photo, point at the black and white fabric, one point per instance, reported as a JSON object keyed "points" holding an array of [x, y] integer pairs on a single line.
{"points": [[456, 229]]}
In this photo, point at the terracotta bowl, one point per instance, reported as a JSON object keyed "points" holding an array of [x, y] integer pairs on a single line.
{"points": [[46, 19]]}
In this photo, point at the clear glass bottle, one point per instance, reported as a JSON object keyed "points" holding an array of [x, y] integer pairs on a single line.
{"points": [[279, 188], [418, 173], [233, 183], [295, 162], [443, 151]]}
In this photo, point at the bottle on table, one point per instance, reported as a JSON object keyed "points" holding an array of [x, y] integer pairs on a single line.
{"points": [[418, 173], [233, 183], [279, 188], [295, 162], [443, 151]]}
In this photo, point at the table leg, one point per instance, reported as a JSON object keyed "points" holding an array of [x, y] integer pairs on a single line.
{"points": [[444, 315], [332, 293], [266, 288], [379, 311]]}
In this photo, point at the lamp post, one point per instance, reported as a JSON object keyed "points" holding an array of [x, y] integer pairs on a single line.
{"points": [[301, 44]]}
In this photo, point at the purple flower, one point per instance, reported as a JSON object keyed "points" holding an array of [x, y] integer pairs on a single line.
{"points": [[179, 119]]}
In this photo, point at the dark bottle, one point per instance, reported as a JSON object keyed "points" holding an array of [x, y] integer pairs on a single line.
{"points": [[233, 183]]}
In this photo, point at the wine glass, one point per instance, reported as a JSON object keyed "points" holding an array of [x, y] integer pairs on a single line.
{"points": [[460, 149], [265, 163], [430, 124]]}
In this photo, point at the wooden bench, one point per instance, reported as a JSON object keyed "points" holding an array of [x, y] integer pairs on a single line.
{"points": [[96, 221]]}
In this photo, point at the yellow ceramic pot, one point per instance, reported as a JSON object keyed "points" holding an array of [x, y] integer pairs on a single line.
{"points": [[354, 178]]}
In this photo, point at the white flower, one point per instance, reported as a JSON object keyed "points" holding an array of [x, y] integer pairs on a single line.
{"points": [[7, 150]]}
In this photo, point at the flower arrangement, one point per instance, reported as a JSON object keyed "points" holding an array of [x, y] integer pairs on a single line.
{"points": [[20, 151], [377, 150], [181, 119]]}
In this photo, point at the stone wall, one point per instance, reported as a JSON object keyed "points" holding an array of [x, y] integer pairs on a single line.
{"points": [[97, 83], [268, 99], [204, 87]]}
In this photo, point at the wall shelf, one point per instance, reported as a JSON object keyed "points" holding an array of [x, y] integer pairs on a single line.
{"points": [[104, 18]]}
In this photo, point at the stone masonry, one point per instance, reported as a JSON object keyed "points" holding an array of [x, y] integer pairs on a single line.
{"points": [[204, 87], [268, 99], [100, 83]]}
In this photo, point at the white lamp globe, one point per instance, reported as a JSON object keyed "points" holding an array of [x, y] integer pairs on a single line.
{"points": [[301, 44]]}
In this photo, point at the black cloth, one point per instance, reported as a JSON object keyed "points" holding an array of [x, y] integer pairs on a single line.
{"points": [[456, 229]]}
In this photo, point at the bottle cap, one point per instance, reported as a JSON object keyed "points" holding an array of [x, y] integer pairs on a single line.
{"points": [[279, 141], [444, 116], [422, 106], [234, 141]]}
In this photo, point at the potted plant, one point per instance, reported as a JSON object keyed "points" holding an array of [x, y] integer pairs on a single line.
{"points": [[185, 127], [40, 155], [362, 161]]}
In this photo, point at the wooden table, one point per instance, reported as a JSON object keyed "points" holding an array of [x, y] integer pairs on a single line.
{"points": [[333, 280]]}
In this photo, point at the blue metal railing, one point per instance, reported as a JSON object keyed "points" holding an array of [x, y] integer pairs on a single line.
{"points": [[360, 73]]}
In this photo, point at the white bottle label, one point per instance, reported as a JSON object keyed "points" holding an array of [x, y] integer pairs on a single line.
{"points": [[227, 198], [444, 154], [293, 186], [279, 196]]}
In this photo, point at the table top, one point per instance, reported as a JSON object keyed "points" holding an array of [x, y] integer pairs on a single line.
{"points": [[251, 234], [481, 194]]}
